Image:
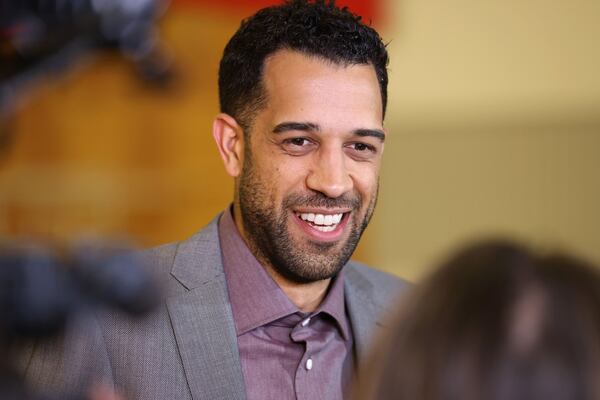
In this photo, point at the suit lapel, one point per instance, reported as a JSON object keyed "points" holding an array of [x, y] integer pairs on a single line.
{"points": [[202, 320]]}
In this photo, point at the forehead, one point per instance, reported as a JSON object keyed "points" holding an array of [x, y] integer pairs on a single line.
{"points": [[310, 88]]}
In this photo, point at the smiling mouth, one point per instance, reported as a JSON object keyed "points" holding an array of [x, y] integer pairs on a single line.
{"points": [[322, 222]]}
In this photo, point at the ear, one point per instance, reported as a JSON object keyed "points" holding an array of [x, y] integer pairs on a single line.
{"points": [[229, 136]]}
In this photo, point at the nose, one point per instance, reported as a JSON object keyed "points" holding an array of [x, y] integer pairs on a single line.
{"points": [[330, 174]]}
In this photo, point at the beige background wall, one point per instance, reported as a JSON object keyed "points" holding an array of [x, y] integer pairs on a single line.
{"points": [[495, 129]]}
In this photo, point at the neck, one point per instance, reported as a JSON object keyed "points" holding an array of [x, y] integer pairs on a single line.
{"points": [[306, 296]]}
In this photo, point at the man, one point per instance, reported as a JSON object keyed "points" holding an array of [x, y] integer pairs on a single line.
{"points": [[263, 303]]}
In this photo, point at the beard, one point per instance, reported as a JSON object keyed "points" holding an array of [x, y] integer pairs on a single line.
{"points": [[269, 237]]}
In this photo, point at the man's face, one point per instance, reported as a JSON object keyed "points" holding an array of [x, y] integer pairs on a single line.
{"points": [[310, 173]]}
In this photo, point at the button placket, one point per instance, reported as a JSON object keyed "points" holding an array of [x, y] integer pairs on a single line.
{"points": [[303, 332], [309, 361], [308, 364]]}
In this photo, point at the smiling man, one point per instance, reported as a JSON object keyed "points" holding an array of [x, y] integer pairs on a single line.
{"points": [[303, 90], [263, 302], [307, 169]]}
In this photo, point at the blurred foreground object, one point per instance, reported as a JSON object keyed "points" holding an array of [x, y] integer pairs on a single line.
{"points": [[496, 322], [42, 292], [41, 37]]}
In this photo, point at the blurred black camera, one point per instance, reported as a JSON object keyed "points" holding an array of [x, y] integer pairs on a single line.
{"points": [[41, 291]]}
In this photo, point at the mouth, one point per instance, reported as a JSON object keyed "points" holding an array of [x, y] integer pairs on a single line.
{"points": [[322, 225]]}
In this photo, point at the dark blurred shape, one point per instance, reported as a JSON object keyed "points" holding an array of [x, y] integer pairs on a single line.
{"points": [[36, 296], [495, 322], [114, 277], [40, 37], [41, 291]]}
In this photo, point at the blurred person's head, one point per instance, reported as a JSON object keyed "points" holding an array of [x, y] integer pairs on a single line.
{"points": [[495, 322], [303, 91]]}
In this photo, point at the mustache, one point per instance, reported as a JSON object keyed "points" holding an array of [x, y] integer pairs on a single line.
{"points": [[319, 200]]}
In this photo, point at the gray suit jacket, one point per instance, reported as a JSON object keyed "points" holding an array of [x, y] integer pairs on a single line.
{"points": [[188, 348]]}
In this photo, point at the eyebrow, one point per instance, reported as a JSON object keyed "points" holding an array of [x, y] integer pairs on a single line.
{"points": [[376, 133], [296, 126], [311, 127]]}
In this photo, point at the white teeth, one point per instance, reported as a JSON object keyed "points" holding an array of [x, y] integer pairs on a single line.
{"points": [[322, 220]]}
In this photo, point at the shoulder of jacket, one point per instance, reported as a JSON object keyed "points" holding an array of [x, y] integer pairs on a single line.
{"points": [[386, 287]]}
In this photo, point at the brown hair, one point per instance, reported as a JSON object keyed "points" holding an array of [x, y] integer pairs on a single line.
{"points": [[495, 322]]}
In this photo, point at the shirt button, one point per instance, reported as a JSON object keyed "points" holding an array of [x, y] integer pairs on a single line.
{"points": [[309, 364], [306, 321]]}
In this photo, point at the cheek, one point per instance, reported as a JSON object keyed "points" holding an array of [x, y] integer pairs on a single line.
{"points": [[288, 173], [281, 177], [290, 178], [366, 180]]}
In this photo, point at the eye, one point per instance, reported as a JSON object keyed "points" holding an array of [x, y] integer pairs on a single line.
{"points": [[298, 145], [361, 150], [298, 141], [361, 146]]}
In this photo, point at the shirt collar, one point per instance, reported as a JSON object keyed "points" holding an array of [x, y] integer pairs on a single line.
{"points": [[334, 304], [255, 297]]}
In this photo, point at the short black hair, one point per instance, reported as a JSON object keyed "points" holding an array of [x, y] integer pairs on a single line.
{"points": [[317, 28]]}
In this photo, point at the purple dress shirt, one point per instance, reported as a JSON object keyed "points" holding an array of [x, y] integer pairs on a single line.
{"points": [[285, 353]]}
